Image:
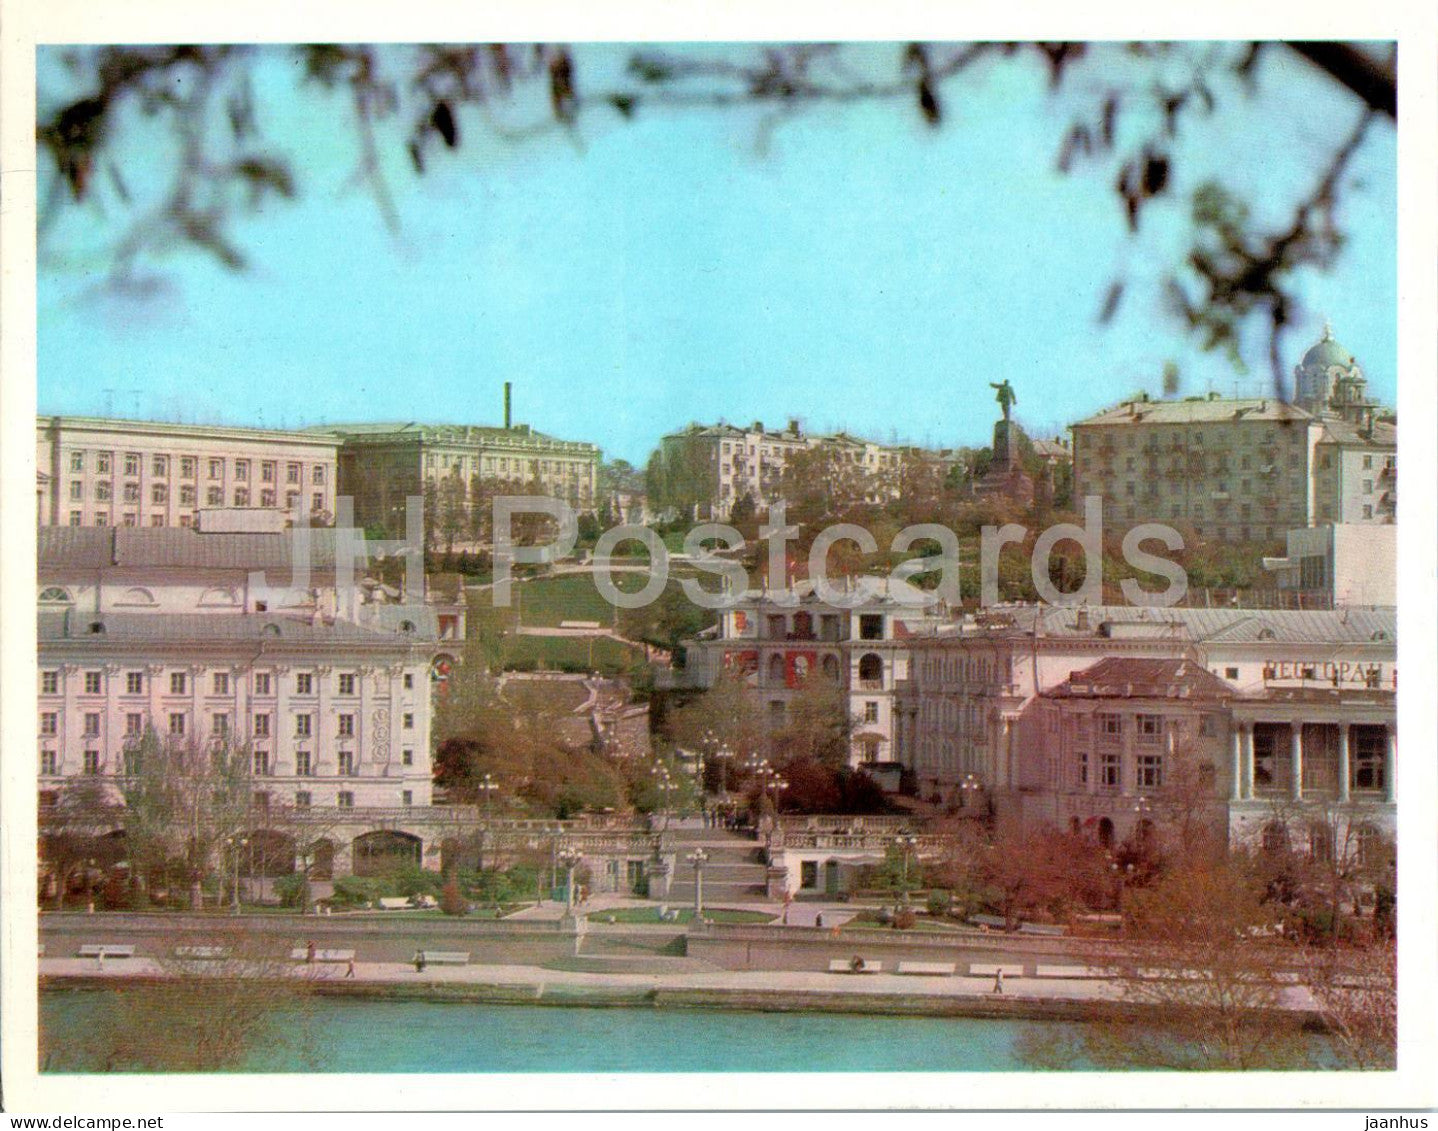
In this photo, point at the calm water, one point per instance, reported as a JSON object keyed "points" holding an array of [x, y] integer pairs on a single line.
{"points": [[358, 1035]]}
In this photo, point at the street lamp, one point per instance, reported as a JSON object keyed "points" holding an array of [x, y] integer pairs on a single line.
{"points": [[906, 843], [569, 859], [486, 786], [969, 787], [666, 789], [698, 858], [235, 848]]}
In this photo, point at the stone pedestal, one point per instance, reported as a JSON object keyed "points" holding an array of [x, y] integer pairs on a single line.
{"points": [[1006, 475]]}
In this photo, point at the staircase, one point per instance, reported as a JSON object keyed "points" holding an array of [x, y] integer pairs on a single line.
{"points": [[734, 872]]}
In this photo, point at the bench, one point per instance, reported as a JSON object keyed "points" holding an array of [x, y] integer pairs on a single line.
{"points": [[846, 966], [945, 968], [105, 950], [1046, 929], [393, 903], [989, 970], [299, 954], [445, 957], [207, 952], [1042, 971]]}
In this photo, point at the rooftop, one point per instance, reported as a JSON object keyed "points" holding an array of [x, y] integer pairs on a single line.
{"points": [[198, 628], [1199, 410], [170, 428], [1122, 677], [143, 547]]}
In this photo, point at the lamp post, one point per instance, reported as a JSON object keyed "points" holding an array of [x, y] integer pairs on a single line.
{"points": [[569, 859], [90, 884], [698, 858], [666, 788], [487, 785], [235, 849], [969, 788], [906, 843]]}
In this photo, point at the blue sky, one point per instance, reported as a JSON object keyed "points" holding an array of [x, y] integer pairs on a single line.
{"points": [[849, 267]]}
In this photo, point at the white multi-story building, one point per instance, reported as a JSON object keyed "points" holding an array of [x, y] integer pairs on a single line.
{"points": [[1305, 703], [778, 641], [240, 638], [713, 467], [92, 471]]}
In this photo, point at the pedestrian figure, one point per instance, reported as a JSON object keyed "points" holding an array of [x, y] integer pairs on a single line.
{"points": [[819, 919], [999, 980], [100, 959], [419, 962], [350, 969], [310, 950], [856, 964], [785, 919]]}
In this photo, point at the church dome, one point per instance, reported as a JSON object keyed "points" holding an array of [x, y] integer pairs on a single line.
{"points": [[1328, 352]]}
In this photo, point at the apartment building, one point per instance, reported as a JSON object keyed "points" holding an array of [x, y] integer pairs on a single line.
{"points": [[713, 467], [1250, 468], [242, 638], [93, 471]]}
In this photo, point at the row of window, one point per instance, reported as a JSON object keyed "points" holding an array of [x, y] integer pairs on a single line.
{"points": [[178, 724], [1148, 771], [130, 763], [346, 683], [189, 467], [214, 496]]}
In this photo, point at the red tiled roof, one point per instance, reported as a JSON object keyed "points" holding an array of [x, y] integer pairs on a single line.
{"points": [[1133, 678]]}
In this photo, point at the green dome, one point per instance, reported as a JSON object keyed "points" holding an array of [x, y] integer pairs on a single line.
{"points": [[1328, 352]]}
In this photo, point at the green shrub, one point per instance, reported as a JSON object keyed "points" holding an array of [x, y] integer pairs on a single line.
{"points": [[904, 918], [939, 902], [357, 891], [291, 890]]}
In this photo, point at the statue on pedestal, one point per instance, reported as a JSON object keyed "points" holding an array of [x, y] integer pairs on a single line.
{"points": [[1005, 396]]}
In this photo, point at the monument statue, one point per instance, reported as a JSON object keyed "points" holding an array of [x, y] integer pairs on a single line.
{"points": [[1005, 395]]}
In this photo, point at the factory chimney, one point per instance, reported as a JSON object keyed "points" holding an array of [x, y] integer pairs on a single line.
{"points": [[508, 386]]}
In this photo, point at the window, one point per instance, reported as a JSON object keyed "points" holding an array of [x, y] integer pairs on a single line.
{"points": [[406, 796], [262, 726], [92, 722], [134, 683], [304, 684], [102, 492], [134, 723], [318, 478], [292, 500], [132, 463], [1206, 727], [302, 726], [1367, 510], [220, 726], [1150, 729], [407, 721], [871, 626], [262, 763], [302, 799], [159, 467], [1150, 771], [1368, 486], [217, 469], [92, 683], [317, 502], [77, 491], [214, 497], [267, 498], [1230, 673], [242, 470], [871, 712], [177, 683], [242, 497], [262, 683], [49, 722], [808, 873], [49, 683], [77, 461], [406, 757], [177, 724], [1110, 727], [92, 762], [346, 726], [1368, 750], [267, 471], [157, 520], [345, 799], [347, 683], [347, 763], [409, 681], [222, 683], [1367, 463], [187, 496], [1082, 768], [292, 473], [303, 769], [1110, 771], [47, 762], [187, 467]]}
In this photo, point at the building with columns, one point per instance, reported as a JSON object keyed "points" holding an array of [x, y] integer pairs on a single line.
{"points": [[777, 640], [257, 640], [1300, 708]]}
